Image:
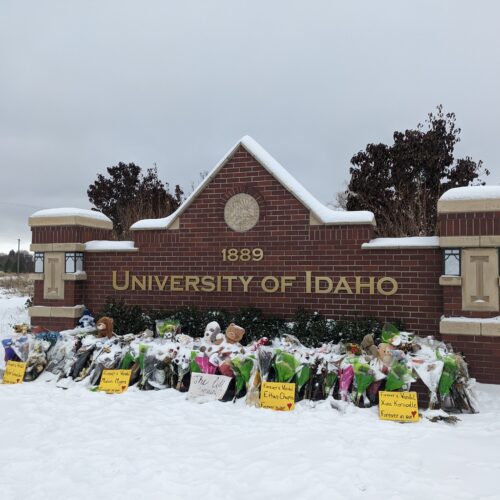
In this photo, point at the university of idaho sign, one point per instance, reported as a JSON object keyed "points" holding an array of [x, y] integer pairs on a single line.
{"points": [[251, 236]]}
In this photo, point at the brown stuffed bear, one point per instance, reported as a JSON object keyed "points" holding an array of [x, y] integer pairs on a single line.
{"points": [[105, 327], [234, 333]]}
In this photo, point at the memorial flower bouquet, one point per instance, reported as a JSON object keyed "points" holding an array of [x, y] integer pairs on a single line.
{"points": [[253, 387], [285, 365], [429, 372], [302, 376], [202, 364], [449, 375], [242, 367], [265, 357], [346, 376], [399, 377], [364, 376], [331, 377], [182, 362]]}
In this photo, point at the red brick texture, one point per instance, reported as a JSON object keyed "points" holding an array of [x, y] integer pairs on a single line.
{"points": [[482, 355], [73, 294], [68, 234], [469, 224]]}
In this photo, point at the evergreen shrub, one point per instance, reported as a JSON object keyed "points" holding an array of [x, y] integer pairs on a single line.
{"points": [[311, 328]]}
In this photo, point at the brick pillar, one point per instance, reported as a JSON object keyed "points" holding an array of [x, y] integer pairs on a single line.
{"points": [[57, 234], [469, 221]]}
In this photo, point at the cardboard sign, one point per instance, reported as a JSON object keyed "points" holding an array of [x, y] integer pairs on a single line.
{"points": [[114, 381], [209, 386], [398, 406], [14, 372], [277, 396]]}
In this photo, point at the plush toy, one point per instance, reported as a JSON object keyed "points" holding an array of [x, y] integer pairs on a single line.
{"points": [[183, 339], [385, 354], [369, 345], [259, 343], [22, 328], [105, 327], [384, 351], [353, 349], [87, 320], [213, 334], [289, 340], [234, 334], [167, 328], [210, 329], [37, 360]]}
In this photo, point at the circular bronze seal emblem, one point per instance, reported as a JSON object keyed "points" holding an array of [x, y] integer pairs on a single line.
{"points": [[241, 212]]}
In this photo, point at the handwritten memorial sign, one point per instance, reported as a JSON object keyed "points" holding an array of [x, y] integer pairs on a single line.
{"points": [[209, 386], [14, 372], [277, 396], [398, 406], [114, 381]]}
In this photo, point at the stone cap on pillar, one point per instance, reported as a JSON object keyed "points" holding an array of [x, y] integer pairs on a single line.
{"points": [[70, 217], [470, 199]]}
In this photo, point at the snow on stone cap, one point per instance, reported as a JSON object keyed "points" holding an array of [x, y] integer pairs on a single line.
{"points": [[71, 212], [471, 193], [406, 242], [163, 223], [470, 199], [324, 214], [109, 246], [463, 319]]}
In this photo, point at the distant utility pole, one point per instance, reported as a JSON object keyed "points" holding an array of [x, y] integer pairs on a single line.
{"points": [[18, 250]]}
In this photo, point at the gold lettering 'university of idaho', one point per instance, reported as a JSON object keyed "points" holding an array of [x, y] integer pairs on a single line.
{"points": [[269, 284]]}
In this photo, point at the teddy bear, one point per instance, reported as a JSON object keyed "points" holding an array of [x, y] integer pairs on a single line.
{"points": [[105, 328], [234, 334]]}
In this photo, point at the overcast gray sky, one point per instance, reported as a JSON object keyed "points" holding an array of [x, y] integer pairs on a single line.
{"points": [[86, 84]]}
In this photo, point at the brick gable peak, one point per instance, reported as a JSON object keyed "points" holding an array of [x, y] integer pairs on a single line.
{"points": [[321, 213]]}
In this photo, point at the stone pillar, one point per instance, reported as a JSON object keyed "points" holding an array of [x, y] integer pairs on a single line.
{"points": [[57, 234], [469, 221]]}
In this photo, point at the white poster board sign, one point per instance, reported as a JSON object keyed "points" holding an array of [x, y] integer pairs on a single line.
{"points": [[208, 387]]}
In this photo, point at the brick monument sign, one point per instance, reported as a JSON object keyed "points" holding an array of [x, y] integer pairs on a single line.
{"points": [[251, 235]]}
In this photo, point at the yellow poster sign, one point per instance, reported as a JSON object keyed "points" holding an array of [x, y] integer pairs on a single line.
{"points": [[277, 396], [114, 381], [14, 372], [398, 406]]}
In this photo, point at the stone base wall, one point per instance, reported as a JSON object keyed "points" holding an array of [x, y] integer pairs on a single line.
{"points": [[54, 324]]}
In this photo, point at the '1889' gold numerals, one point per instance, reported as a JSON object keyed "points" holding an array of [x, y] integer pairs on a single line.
{"points": [[242, 254]]}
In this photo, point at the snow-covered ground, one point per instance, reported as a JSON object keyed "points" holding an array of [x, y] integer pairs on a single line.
{"points": [[74, 444]]}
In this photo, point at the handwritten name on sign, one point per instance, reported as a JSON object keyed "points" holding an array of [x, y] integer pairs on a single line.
{"points": [[277, 396], [14, 372], [114, 381], [398, 406], [209, 386]]}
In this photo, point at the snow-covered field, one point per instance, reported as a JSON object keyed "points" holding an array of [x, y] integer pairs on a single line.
{"points": [[75, 444], [12, 310]]}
